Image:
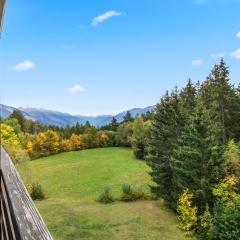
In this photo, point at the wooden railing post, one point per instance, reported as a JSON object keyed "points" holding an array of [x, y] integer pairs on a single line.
{"points": [[20, 220]]}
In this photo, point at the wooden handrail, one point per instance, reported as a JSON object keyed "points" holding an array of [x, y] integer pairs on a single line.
{"points": [[19, 219], [2, 8]]}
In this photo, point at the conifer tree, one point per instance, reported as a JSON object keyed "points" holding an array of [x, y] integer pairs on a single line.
{"points": [[197, 161], [222, 101], [127, 117], [188, 97], [16, 114], [165, 133], [114, 124]]}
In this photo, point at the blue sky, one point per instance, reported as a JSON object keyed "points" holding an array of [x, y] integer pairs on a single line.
{"points": [[101, 57]]}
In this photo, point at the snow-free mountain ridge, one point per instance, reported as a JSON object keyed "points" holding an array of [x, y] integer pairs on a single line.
{"points": [[50, 117]]}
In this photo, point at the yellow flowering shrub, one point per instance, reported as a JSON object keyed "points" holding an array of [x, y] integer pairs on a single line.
{"points": [[187, 213], [29, 147], [226, 190], [66, 145], [8, 135]]}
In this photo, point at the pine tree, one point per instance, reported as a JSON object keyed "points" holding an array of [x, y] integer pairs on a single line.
{"points": [[87, 125], [78, 129], [127, 117], [188, 97], [16, 114], [197, 161], [165, 133], [222, 101], [114, 124]]}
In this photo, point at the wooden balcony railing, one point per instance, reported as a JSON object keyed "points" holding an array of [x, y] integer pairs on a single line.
{"points": [[19, 218], [2, 8]]}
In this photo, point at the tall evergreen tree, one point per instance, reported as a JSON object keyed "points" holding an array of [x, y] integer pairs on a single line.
{"points": [[197, 161], [188, 97], [221, 99], [165, 133], [16, 114], [114, 124], [128, 117]]}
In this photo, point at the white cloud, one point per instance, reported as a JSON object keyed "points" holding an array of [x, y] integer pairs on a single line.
{"points": [[23, 66], [218, 55], [238, 35], [104, 17], [76, 89], [197, 62], [236, 54]]}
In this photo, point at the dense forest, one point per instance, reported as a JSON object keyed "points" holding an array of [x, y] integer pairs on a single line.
{"points": [[190, 141]]}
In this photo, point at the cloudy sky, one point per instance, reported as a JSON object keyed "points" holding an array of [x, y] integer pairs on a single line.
{"points": [[97, 57]]}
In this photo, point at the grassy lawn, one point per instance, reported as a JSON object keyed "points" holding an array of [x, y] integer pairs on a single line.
{"points": [[73, 181]]}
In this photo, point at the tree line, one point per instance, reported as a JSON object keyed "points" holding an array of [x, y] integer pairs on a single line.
{"points": [[193, 149], [24, 138]]}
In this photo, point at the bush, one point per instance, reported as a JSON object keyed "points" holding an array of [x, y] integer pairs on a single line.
{"points": [[16, 153], [36, 191], [129, 194], [140, 194], [226, 221], [226, 212], [205, 224], [106, 195], [187, 214]]}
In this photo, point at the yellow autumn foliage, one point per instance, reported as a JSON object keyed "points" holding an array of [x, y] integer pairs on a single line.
{"points": [[8, 135], [226, 190], [103, 139], [187, 213], [75, 142], [66, 145], [29, 147]]}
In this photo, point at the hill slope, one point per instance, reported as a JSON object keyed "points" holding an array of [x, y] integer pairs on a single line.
{"points": [[74, 180], [49, 117]]}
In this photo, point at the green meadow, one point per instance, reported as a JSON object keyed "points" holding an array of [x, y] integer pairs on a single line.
{"points": [[73, 181]]}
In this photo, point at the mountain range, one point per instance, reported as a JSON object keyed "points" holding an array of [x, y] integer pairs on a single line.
{"points": [[60, 119]]}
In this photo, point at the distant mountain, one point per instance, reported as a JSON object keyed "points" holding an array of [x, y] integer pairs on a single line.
{"points": [[5, 111], [134, 112], [49, 117]]}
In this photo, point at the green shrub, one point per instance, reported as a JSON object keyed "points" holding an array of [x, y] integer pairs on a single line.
{"points": [[140, 194], [36, 191], [205, 224], [106, 195], [16, 153], [130, 194], [226, 221], [127, 193]]}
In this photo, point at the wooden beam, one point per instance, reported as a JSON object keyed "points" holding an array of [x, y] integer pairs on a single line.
{"points": [[25, 217], [2, 9]]}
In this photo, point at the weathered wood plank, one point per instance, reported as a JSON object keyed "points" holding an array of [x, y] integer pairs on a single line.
{"points": [[30, 223], [2, 8], [8, 217]]}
